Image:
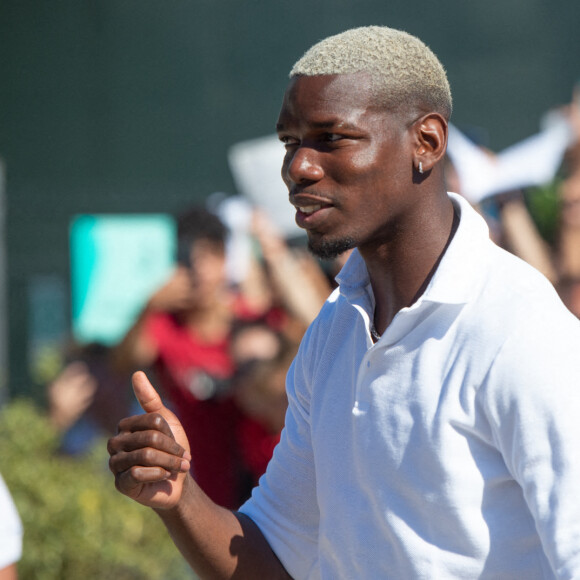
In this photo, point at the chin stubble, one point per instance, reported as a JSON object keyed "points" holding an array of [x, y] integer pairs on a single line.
{"points": [[328, 250]]}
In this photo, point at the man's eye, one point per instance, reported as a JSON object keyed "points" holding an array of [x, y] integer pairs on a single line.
{"points": [[332, 137], [288, 141]]}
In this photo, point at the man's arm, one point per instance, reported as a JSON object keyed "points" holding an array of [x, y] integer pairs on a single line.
{"points": [[218, 543], [150, 460], [532, 398]]}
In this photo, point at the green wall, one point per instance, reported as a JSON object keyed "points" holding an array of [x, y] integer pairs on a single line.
{"points": [[131, 105]]}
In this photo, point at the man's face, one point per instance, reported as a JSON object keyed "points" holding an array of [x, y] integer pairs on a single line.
{"points": [[348, 164]]}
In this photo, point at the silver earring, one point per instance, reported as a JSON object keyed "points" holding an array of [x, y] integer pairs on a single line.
{"points": [[420, 167]]}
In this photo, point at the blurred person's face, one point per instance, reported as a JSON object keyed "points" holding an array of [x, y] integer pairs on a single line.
{"points": [[207, 268]]}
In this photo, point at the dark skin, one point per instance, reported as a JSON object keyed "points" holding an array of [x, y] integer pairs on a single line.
{"points": [[352, 168], [150, 459], [359, 164]]}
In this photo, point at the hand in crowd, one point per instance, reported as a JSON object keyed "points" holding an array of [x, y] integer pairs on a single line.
{"points": [[70, 394], [150, 456], [175, 294]]}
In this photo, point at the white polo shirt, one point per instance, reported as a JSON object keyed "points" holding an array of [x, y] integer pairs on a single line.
{"points": [[448, 449], [10, 529]]}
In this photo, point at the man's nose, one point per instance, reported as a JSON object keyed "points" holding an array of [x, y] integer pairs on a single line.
{"points": [[304, 166]]}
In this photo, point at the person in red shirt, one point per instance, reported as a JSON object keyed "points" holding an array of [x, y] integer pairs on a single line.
{"points": [[262, 356], [183, 334]]}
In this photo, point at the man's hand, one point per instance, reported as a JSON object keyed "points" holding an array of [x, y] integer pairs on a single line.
{"points": [[150, 455]]}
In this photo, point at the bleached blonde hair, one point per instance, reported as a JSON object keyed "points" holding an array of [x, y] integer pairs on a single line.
{"points": [[403, 69]]}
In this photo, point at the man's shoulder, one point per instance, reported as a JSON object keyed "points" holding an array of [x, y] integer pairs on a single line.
{"points": [[331, 311], [515, 298], [512, 281]]}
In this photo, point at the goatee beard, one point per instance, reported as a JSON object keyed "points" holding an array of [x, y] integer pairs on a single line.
{"points": [[328, 250]]}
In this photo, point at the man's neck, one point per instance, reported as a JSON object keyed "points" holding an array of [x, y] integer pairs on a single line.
{"points": [[400, 274]]}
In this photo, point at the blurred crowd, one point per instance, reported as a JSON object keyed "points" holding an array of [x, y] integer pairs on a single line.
{"points": [[217, 340], [530, 195], [218, 345]]}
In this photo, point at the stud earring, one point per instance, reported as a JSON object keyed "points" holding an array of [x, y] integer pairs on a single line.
{"points": [[421, 167]]}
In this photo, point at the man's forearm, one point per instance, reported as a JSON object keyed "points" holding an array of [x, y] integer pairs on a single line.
{"points": [[217, 543]]}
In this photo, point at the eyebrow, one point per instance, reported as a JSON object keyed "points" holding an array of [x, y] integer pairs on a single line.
{"points": [[324, 125]]}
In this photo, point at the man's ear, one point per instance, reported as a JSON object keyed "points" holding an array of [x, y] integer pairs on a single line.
{"points": [[431, 139]]}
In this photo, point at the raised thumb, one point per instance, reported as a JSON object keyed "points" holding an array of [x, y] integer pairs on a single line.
{"points": [[147, 396]]}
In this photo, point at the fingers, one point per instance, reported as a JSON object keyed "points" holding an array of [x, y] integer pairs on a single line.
{"points": [[151, 486], [147, 464], [147, 396], [131, 482], [151, 402], [145, 451], [149, 431], [149, 456], [147, 422]]}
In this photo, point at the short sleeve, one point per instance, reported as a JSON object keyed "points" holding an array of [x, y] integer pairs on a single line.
{"points": [[284, 505], [532, 397]]}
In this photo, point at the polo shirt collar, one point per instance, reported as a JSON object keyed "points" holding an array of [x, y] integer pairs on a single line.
{"points": [[460, 272]]}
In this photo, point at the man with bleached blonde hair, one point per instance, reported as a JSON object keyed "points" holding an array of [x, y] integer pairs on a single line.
{"points": [[432, 426], [403, 69]]}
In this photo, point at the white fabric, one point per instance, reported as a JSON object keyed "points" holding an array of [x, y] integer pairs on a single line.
{"points": [[10, 529], [449, 449], [531, 162]]}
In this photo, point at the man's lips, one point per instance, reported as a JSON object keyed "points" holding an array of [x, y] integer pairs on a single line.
{"points": [[307, 204], [310, 212], [309, 209]]}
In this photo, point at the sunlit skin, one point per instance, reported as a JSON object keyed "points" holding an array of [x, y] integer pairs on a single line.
{"points": [[343, 157], [350, 169]]}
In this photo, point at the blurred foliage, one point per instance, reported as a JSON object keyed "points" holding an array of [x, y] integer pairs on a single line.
{"points": [[46, 362], [544, 206], [76, 525]]}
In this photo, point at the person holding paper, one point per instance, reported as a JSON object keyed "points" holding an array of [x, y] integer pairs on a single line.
{"points": [[183, 334]]}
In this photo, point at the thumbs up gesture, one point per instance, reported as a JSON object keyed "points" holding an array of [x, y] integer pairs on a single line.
{"points": [[149, 456]]}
